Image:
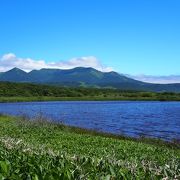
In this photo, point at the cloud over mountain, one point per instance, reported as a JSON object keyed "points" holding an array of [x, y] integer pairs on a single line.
{"points": [[10, 60], [157, 79]]}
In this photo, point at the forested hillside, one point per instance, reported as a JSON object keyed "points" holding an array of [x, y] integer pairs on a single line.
{"points": [[27, 90]]}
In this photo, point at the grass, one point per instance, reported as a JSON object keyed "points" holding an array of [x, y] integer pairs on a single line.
{"points": [[22, 92], [39, 149], [86, 98]]}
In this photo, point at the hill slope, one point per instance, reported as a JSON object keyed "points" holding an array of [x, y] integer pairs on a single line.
{"points": [[84, 77]]}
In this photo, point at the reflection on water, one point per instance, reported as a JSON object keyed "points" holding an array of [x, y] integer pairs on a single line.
{"points": [[152, 119]]}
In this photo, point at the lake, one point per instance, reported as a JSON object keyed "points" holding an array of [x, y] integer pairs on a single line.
{"points": [[132, 118]]}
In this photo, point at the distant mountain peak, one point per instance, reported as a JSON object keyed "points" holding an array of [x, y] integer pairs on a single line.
{"points": [[49, 69], [15, 69], [84, 68], [14, 75], [86, 76]]}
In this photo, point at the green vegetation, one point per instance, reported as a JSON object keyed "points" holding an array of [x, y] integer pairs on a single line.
{"points": [[39, 149], [84, 77], [13, 92]]}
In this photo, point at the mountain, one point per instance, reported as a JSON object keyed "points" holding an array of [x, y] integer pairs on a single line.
{"points": [[14, 75], [84, 77]]}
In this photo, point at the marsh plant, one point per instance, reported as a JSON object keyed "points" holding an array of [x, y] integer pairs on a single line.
{"points": [[38, 149]]}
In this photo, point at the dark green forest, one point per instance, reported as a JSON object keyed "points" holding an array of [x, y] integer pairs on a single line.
{"points": [[32, 92]]}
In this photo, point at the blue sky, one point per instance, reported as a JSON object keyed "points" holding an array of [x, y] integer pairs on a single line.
{"points": [[131, 36]]}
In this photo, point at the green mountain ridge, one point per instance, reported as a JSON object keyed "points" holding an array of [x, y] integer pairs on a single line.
{"points": [[84, 77]]}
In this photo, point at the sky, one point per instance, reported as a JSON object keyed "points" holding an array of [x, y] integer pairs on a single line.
{"points": [[136, 37]]}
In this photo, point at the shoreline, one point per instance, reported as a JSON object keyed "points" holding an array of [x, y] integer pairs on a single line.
{"points": [[174, 143], [47, 98], [41, 148]]}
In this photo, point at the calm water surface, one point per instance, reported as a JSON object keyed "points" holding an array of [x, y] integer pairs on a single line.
{"points": [[152, 119]]}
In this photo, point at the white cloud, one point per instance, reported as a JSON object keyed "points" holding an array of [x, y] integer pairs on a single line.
{"points": [[157, 79], [10, 60]]}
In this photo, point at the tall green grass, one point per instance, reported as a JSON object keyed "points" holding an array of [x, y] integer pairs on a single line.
{"points": [[39, 149]]}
